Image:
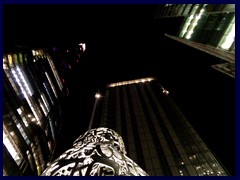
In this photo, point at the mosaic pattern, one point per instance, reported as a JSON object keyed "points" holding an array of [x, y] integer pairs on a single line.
{"points": [[98, 152]]}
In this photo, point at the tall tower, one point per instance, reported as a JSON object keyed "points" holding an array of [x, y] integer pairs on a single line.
{"points": [[31, 113], [157, 135]]}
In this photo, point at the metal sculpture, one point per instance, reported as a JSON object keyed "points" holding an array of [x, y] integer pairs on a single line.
{"points": [[98, 152]]}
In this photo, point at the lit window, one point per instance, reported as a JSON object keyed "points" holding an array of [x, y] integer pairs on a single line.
{"points": [[229, 36], [11, 149]]}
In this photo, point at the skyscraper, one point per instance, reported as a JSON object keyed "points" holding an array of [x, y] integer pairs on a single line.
{"points": [[207, 27], [35, 85], [31, 113], [157, 135]]}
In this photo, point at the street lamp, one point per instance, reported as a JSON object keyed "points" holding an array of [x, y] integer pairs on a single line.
{"points": [[97, 97]]}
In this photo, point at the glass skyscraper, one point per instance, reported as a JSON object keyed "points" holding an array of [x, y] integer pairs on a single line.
{"points": [[157, 135], [32, 91], [207, 27]]}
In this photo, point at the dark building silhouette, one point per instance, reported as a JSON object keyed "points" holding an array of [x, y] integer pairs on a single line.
{"points": [[157, 135]]}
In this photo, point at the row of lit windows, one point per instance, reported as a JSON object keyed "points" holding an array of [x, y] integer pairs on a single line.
{"points": [[131, 82]]}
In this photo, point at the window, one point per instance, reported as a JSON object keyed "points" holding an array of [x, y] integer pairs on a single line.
{"points": [[12, 148]]}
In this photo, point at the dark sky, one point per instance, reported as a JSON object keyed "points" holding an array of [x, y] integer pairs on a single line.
{"points": [[66, 23], [126, 42]]}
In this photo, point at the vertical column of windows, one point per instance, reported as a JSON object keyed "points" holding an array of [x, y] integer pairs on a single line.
{"points": [[110, 119], [12, 147], [123, 120], [228, 37], [157, 154], [52, 129], [188, 143], [24, 80], [170, 135], [27, 94], [51, 84], [37, 81], [54, 70], [105, 109], [135, 130], [130, 134], [143, 129], [118, 110], [202, 155]]}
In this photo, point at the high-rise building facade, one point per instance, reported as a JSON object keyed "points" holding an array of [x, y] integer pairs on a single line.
{"points": [[31, 111], [207, 27], [157, 135]]}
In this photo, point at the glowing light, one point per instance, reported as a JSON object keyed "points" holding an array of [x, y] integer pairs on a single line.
{"points": [[11, 149], [55, 72], [97, 95], [5, 63], [25, 95], [130, 82], [193, 21], [165, 91], [24, 81], [45, 102], [51, 84], [229, 37], [188, 36], [48, 93], [202, 10], [82, 46], [10, 61], [19, 111], [43, 108], [25, 121]]}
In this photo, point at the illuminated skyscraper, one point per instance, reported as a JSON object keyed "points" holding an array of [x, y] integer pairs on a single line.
{"points": [[207, 27], [157, 135], [31, 113]]}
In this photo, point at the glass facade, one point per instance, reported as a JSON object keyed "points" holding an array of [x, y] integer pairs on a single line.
{"points": [[212, 24], [31, 119], [157, 135], [207, 27]]}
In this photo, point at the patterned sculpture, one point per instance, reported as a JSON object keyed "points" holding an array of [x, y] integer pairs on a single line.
{"points": [[98, 152]]}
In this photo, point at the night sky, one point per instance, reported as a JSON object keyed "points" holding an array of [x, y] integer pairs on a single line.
{"points": [[125, 42]]}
